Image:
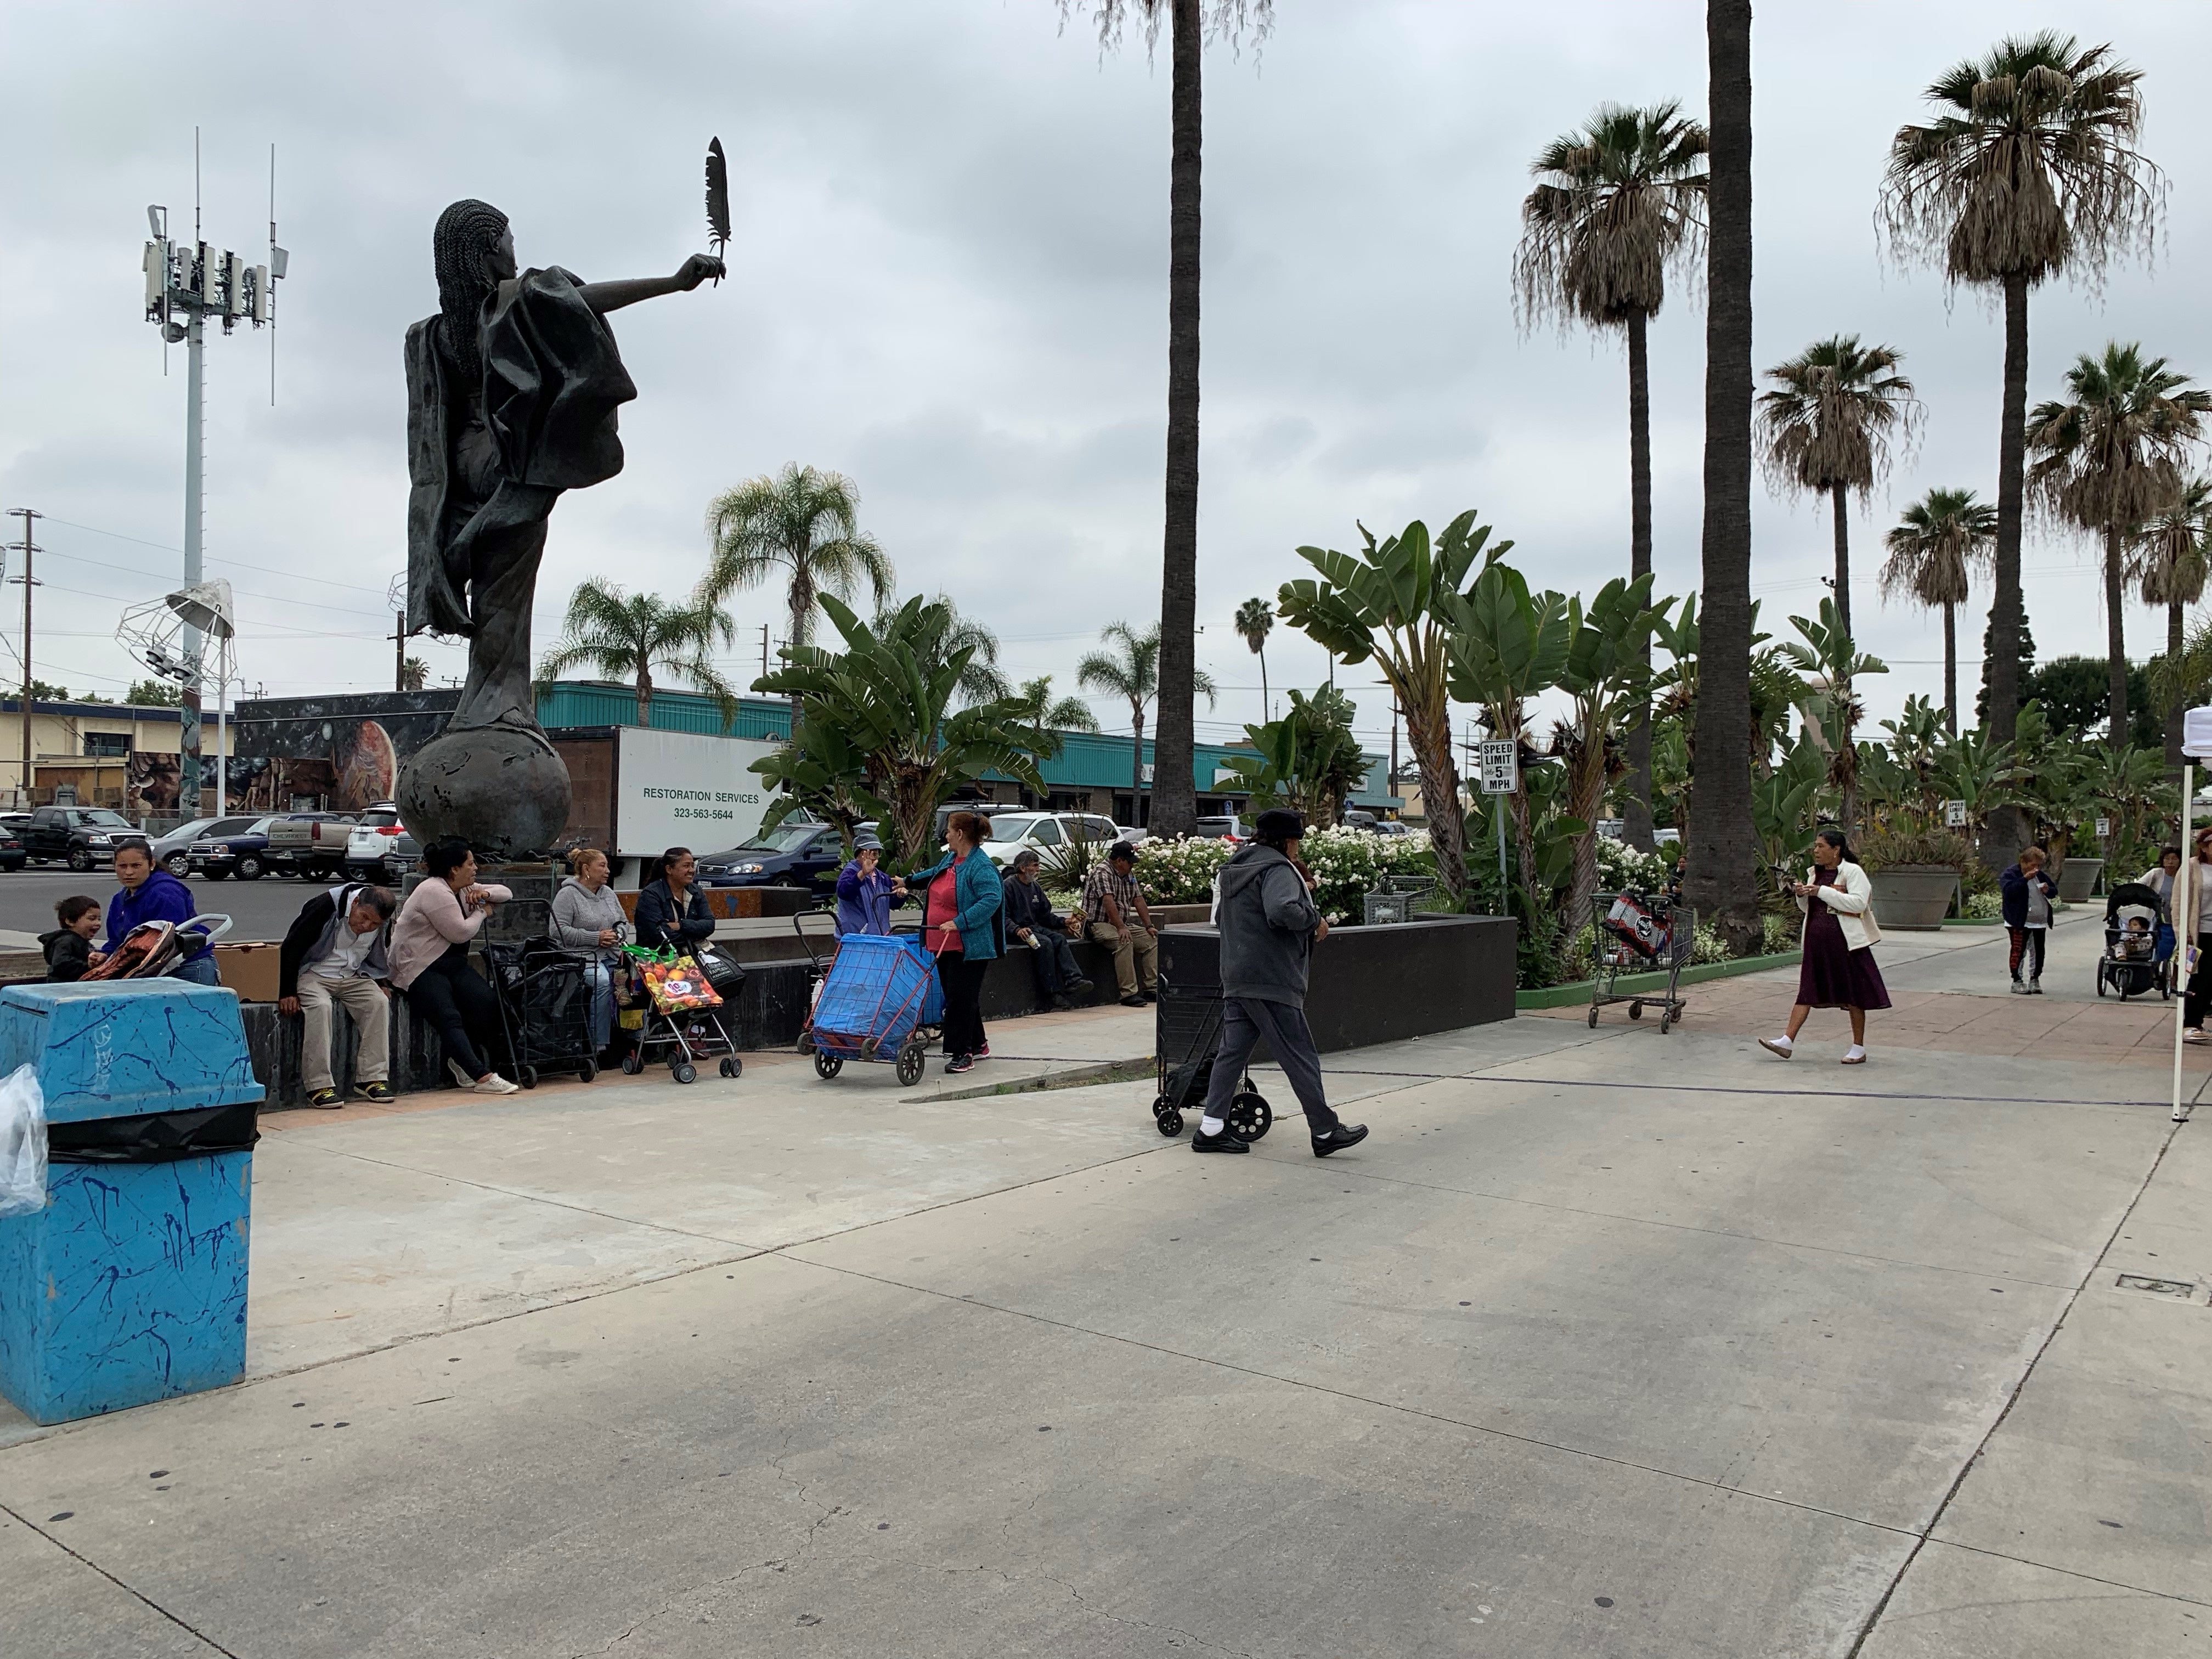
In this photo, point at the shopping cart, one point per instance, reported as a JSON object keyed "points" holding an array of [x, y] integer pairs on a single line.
{"points": [[878, 999], [545, 1009], [1186, 1036], [682, 1017], [1634, 933]]}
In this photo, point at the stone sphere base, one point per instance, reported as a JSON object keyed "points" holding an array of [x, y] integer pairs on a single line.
{"points": [[503, 791]]}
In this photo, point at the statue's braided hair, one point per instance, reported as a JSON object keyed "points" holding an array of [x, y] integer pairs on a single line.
{"points": [[461, 249]]}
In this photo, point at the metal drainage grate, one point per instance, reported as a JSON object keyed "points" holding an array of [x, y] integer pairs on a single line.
{"points": [[2176, 1287]]}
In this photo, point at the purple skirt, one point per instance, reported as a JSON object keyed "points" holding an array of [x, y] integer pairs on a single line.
{"points": [[1833, 974]]}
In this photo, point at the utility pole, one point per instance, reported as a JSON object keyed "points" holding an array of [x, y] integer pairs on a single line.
{"points": [[1394, 745], [29, 582], [763, 650], [399, 651]]}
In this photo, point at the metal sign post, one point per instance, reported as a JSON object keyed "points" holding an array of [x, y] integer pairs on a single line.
{"points": [[1499, 759]]}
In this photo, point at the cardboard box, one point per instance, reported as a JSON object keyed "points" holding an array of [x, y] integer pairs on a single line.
{"points": [[249, 970]]}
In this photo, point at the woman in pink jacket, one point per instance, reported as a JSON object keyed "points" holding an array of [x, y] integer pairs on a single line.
{"points": [[430, 958]]}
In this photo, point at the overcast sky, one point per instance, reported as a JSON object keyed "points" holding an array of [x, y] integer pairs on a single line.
{"points": [[949, 281]]}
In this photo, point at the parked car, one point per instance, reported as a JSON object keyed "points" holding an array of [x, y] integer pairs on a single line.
{"points": [[793, 854], [173, 851], [1230, 828], [309, 845], [1390, 827], [12, 856], [80, 836], [242, 853], [1045, 834], [379, 847]]}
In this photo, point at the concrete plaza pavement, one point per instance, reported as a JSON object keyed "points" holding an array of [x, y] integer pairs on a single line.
{"points": [[1605, 1343]]}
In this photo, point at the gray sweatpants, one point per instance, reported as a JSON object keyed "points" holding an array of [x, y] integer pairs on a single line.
{"points": [[1243, 1023]]}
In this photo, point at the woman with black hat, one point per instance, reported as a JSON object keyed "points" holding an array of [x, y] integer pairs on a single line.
{"points": [[1269, 926]]}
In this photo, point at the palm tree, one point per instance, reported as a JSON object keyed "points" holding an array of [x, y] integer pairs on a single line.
{"points": [[1615, 205], [413, 674], [802, 520], [1255, 620], [630, 636], [1932, 552], [2110, 457], [2173, 553], [1175, 799], [1722, 876], [943, 632], [1131, 669], [1045, 716], [1827, 426], [2028, 171]]}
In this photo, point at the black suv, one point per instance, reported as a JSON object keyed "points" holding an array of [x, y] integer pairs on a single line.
{"points": [[791, 855], [80, 837], [243, 853]]}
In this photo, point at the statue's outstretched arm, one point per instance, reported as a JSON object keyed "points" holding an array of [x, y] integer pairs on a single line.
{"points": [[604, 297]]}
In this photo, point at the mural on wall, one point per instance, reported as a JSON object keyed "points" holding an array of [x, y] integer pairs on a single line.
{"points": [[152, 784], [340, 753]]}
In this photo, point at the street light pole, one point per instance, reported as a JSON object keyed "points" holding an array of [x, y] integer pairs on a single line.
{"points": [[28, 517]]}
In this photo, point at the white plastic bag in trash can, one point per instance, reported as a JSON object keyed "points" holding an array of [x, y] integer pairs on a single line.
{"points": [[22, 1143]]}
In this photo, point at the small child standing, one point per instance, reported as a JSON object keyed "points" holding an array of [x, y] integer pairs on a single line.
{"points": [[68, 950]]}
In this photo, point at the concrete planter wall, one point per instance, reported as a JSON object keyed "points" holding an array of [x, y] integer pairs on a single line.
{"points": [[1913, 895], [2077, 878]]}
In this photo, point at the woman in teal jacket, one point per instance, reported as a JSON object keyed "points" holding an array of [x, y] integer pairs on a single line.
{"points": [[963, 927]]}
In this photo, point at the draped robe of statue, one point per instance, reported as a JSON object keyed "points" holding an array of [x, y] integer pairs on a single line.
{"points": [[487, 461]]}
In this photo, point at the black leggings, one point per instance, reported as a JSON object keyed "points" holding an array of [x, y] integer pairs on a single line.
{"points": [[2198, 996], [454, 998], [963, 1000]]}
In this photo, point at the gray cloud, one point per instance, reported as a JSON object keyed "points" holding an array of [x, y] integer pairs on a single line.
{"points": [[949, 282]]}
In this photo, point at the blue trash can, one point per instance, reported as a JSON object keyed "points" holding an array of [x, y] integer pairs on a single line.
{"points": [[129, 1286]]}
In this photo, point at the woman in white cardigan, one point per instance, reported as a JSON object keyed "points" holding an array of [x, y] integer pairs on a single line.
{"points": [[1839, 969]]}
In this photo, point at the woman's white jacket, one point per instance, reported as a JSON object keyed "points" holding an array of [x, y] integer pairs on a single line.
{"points": [[1852, 900]]}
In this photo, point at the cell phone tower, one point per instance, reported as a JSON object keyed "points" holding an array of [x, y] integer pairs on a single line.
{"points": [[189, 284]]}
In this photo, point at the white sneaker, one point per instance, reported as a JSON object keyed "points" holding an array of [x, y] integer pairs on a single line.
{"points": [[491, 1083], [2194, 1033], [460, 1076]]}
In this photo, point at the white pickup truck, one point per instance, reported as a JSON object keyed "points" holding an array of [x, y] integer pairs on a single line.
{"points": [[310, 845]]}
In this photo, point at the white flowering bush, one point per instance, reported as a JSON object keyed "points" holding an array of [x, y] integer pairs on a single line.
{"points": [[1985, 906], [1180, 869], [1621, 867]]}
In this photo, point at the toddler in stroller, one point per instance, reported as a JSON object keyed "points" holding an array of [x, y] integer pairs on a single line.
{"points": [[2130, 966]]}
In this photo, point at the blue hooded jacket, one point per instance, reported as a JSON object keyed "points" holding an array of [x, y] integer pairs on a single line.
{"points": [[160, 897]]}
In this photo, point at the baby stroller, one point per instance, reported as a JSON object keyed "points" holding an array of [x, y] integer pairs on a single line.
{"points": [[879, 1000], [1187, 1034], [682, 1017], [151, 948], [2130, 965]]}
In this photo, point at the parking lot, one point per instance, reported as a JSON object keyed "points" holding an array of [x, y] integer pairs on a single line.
{"points": [[259, 909]]}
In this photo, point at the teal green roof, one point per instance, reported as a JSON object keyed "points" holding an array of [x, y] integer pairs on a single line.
{"points": [[1087, 760]]}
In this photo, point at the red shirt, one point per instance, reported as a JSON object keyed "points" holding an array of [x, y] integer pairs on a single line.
{"points": [[942, 907]]}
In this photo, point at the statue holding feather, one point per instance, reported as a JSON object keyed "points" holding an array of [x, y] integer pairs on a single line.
{"points": [[511, 394]]}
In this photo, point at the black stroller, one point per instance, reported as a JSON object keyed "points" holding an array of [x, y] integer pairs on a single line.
{"points": [[2130, 965], [1187, 1034]]}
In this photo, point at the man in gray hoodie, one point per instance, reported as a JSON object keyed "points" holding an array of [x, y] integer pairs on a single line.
{"points": [[1269, 927]]}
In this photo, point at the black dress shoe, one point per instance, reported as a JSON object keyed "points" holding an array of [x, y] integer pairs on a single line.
{"points": [[1078, 987], [1225, 1142], [1344, 1135]]}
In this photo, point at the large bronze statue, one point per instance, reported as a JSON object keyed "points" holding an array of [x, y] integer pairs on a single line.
{"points": [[512, 392]]}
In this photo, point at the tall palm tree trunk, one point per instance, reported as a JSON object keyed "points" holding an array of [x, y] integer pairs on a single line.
{"points": [[1266, 703], [2003, 834], [2173, 711], [1951, 668], [1723, 856], [802, 615], [1636, 789], [1175, 792], [2115, 637], [1137, 767], [1843, 555], [644, 695], [1428, 731]]}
